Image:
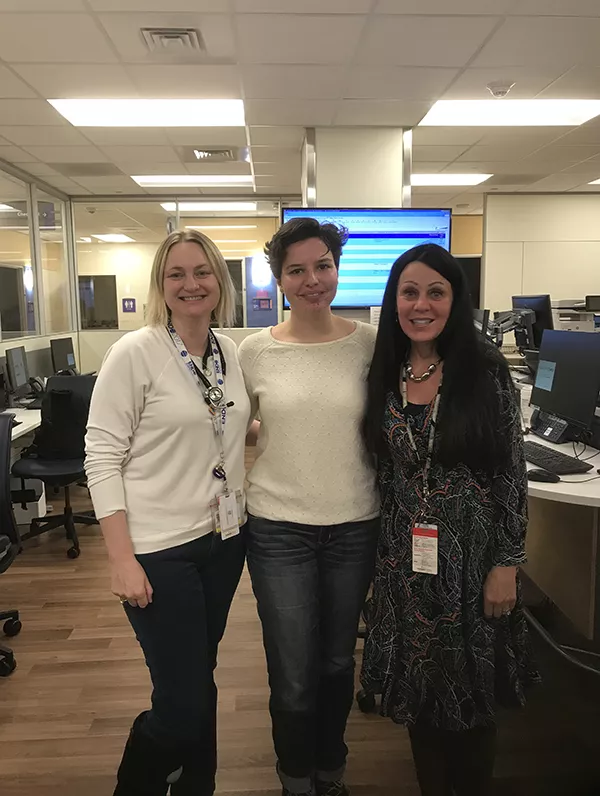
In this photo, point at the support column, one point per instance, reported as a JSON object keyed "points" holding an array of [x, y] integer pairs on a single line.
{"points": [[357, 167]]}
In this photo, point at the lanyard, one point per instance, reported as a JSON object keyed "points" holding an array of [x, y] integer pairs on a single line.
{"points": [[213, 395], [411, 439]]}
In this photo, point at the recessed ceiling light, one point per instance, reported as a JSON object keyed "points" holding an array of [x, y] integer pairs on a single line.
{"points": [[193, 180], [511, 113], [114, 238], [227, 226], [84, 240], [151, 112], [594, 182], [210, 207], [449, 179], [8, 209]]}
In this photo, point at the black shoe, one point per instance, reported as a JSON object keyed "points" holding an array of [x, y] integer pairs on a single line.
{"points": [[286, 792], [336, 788], [147, 768]]}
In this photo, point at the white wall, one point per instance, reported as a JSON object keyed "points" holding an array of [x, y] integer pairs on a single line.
{"points": [[535, 243]]}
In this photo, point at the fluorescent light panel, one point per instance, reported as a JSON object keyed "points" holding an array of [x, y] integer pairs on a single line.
{"points": [[226, 226], [210, 207], [511, 113], [594, 182], [151, 112], [193, 180], [449, 179], [7, 209], [114, 238]]}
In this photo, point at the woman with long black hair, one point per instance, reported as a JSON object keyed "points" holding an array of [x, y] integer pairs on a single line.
{"points": [[447, 639]]}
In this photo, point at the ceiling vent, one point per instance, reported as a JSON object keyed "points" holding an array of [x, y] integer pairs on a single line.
{"points": [[175, 43], [87, 169], [214, 154]]}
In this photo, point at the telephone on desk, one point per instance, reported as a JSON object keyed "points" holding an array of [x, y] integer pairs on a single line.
{"points": [[34, 400]]}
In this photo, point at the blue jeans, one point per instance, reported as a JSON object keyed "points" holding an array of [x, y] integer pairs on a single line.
{"points": [[310, 582]]}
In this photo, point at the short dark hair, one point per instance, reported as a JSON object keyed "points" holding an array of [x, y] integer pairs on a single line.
{"points": [[333, 236], [470, 402]]}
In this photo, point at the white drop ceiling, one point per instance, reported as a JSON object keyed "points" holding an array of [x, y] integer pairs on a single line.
{"points": [[298, 64]]}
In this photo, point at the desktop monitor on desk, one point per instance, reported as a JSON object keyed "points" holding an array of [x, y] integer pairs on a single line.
{"points": [[63, 356], [543, 314], [18, 372], [567, 383]]}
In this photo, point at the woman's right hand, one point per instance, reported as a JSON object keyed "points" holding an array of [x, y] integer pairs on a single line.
{"points": [[129, 582]]}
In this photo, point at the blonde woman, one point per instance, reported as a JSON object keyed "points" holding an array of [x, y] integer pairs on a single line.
{"points": [[165, 467]]}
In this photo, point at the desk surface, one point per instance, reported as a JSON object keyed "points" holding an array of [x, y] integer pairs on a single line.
{"points": [[583, 490], [30, 419]]}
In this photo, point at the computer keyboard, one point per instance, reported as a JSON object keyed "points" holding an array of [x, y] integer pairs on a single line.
{"points": [[554, 461]]}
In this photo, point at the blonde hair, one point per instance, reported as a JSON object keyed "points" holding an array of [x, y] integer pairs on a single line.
{"points": [[157, 312]]}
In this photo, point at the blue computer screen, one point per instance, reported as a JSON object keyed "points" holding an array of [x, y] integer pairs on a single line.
{"points": [[377, 237]]}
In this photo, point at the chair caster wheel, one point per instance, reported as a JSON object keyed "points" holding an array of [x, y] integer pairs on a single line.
{"points": [[7, 666], [366, 702], [12, 627], [73, 552]]}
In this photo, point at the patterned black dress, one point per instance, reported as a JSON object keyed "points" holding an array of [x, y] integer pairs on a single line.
{"points": [[430, 652]]}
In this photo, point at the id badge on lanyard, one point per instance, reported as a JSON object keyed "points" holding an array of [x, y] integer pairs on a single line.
{"points": [[424, 535], [226, 508]]}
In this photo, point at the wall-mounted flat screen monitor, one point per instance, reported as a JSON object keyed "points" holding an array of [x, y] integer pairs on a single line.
{"points": [[376, 238]]}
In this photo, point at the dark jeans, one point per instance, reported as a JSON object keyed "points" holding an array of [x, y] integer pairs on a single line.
{"points": [[179, 633], [310, 582]]}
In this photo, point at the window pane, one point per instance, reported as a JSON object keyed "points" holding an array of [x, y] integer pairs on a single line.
{"points": [[55, 270], [17, 289]]}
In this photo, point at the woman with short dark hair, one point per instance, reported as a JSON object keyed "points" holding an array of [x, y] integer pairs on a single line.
{"points": [[313, 506], [447, 638]]}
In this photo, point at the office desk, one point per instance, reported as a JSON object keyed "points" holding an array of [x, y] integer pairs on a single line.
{"points": [[30, 419], [563, 541]]}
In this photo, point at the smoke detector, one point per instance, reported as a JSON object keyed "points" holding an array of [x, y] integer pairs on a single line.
{"points": [[499, 88]]}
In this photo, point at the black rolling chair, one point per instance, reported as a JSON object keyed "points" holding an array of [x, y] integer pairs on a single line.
{"points": [[57, 454], [10, 543]]}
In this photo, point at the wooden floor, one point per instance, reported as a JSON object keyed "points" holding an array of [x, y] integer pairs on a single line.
{"points": [[66, 711]]}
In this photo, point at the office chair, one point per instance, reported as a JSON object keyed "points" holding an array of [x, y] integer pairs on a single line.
{"points": [[10, 543], [57, 455]]}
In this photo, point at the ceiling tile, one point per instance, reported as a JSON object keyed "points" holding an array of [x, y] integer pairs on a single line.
{"points": [[207, 136], [25, 112], [138, 166], [11, 87], [64, 135], [124, 31], [556, 42], [181, 81], [126, 136], [142, 154], [529, 82], [68, 186], [267, 154], [582, 135], [41, 170], [579, 82], [495, 167], [67, 154], [459, 7], [307, 6], [109, 185], [557, 153], [501, 153], [289, 82], [438, 153], [271, 39], [556, 182], [277, 136], [193, 6], [560, 8], [380, 112], [588, 170], [450, 41], [52, 38], [239, 167], [42, 5], [423, 167], [508, 136], [308, 113], [429, 136], [15, 155], [91, 81], [401, 83]]}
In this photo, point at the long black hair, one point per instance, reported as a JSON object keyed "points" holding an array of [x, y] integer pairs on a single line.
{"points": [[470, 405]]}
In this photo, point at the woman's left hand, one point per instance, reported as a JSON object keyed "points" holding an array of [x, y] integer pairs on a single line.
{"points": [[500, 591]]}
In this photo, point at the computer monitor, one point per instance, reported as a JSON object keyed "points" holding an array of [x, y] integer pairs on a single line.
{"points": [[481, 319], [18, 371], [543, 313], [63, 356], [567, 382]]}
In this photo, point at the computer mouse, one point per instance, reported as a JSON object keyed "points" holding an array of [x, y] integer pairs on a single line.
{"points": [[543, 475]]}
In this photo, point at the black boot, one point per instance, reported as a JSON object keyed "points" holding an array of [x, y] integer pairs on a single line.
{"points": [[147, 768]]}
